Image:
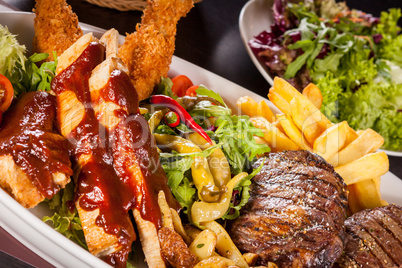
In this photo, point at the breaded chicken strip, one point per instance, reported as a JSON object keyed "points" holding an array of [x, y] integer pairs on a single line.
{"points": [[148, 52], [56, 27]]}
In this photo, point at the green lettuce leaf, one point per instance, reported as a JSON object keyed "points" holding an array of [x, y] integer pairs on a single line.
{"points": [[63, 220], [243, 188], [235, 134], [202, 90], [177, 172], [165, 87], [12, 54]]}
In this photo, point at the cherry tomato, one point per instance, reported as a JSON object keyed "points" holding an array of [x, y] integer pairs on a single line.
{"points": [[180, 84], [191, 91], [172, 119], [6, 93]]}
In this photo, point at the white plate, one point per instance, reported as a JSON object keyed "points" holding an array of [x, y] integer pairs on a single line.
{"points": [[26, 224], [255, 17]]}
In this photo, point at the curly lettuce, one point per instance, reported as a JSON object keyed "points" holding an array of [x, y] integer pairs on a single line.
{"points": [[22, 71], [65, 219]]}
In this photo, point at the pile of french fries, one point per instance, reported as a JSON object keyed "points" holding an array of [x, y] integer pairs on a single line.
{"points": [[302, 126]]}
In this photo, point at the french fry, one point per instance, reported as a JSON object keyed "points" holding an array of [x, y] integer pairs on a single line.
{"points": [[313, 93], [359, 132], [178, 226], [278, 125], [285, 89], [274, 137], [367, 142], [293, 132], [167, 220], [377, 182], [287, 93], [264, 111], [224, 244], [279, 101], [350, 136], [365, 195], [204, 244], [366, 167], [308, 118], [332, 140], [247, 106]]}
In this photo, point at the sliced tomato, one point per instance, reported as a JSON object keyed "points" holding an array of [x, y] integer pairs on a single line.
{"points": [[6, 93], [191, 91], [180, 84]]}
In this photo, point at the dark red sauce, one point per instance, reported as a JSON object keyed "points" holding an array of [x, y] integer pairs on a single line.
{"points": [[28, 135], [98, 186], [133, 144], [121, 91], [106, 182]]}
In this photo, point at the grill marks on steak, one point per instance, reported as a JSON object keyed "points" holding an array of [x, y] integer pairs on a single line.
{"points": [[295, 213], [373, 238]]}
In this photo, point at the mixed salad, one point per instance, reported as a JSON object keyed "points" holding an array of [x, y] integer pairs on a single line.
{"points": [[353, 57], [231, 140]]}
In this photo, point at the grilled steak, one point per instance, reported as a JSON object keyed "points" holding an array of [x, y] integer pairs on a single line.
{"points": [[373, 238], [295, 213]]}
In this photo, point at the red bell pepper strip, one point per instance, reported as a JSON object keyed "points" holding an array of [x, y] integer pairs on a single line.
{"points": [[185, 117]]}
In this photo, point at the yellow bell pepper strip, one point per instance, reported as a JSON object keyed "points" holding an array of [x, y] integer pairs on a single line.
{"points": [[202, 177], [203, 212], [218, 164]]}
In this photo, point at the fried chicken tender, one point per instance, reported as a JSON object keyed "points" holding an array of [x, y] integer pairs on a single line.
{"points": [[149, 50], [56, 27]]}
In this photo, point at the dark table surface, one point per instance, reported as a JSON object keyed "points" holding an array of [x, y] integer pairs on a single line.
{"points": [[209, 37]]}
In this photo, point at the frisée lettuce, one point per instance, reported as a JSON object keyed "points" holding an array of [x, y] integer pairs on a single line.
{"points": [[22, 71]]}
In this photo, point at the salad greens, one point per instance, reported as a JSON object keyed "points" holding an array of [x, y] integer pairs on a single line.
{"points": [[25, 75], [232, 134], [65, 219], [353, 57], [22, 71]]}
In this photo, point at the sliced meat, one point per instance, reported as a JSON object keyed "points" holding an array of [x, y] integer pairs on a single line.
{"points": [[295, 213], [373, 238], [34, 159], [102, 199], [175, 250]]}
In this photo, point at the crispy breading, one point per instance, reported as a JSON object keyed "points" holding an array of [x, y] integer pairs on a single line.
{"points": [[149, 50], [56, 27]]}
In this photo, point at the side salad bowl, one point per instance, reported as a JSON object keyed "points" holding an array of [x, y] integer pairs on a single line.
{"points": [[255, 17]]}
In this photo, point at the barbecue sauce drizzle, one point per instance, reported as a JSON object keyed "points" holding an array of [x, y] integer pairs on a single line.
{"points": [[133, 135], [104, 182], [97, 186], [28, 135]]}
